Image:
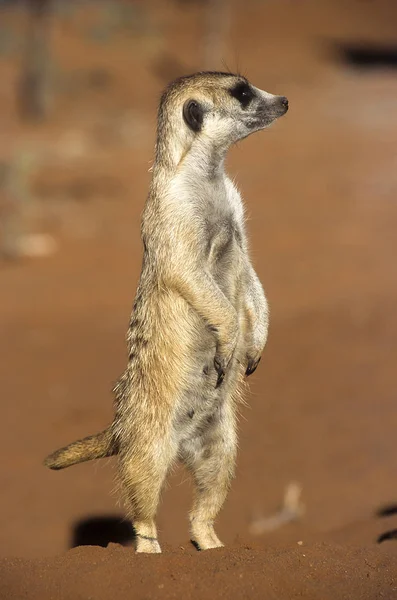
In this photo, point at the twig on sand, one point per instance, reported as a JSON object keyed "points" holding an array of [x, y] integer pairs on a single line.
{"points": [[291, 510]]}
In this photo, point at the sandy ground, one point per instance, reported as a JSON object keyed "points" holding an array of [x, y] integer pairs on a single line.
{"points": [[320, 189], [322, 571]]}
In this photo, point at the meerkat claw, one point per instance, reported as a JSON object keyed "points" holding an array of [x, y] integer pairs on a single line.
{"points": [[252, 365], [221, 377], [221, 373]]}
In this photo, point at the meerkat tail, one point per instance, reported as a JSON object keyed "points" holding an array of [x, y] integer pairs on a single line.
{"points": [[99, 445]]}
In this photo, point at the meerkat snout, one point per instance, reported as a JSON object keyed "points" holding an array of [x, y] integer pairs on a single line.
{"points": [[281, 106], [269, 108], [284, 102]]}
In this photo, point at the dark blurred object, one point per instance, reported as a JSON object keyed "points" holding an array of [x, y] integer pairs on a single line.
{"points": [[367, 55], [387, 511], [101, 531], [388, 535], [33, 90]]}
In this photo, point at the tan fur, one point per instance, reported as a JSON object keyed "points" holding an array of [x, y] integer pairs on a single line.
{"points": [[99, 445], [200, 317]]}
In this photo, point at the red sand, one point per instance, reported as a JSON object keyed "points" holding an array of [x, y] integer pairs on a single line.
{"points": [[320, 571]]}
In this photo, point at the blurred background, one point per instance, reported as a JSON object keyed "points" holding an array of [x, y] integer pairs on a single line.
{"points": [[79, 87]]}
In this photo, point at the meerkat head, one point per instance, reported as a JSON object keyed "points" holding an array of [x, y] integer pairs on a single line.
{"points": [[221, 108]]}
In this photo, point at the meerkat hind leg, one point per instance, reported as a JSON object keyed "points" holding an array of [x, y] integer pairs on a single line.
{"points": [[212, 466], [142, 480]]}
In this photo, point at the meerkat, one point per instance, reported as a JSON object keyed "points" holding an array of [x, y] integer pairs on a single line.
{"points": [[200, 317]]}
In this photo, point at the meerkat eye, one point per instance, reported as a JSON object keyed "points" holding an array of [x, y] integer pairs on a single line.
{"points": [[193, 114], [243, 93]]}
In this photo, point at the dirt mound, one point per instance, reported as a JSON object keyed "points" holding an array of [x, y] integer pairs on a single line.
{"points": [[315, 571]]}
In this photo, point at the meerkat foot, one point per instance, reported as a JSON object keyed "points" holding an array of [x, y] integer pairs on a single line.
{"points": [[146, 537], [203, 536], [147, 545]]}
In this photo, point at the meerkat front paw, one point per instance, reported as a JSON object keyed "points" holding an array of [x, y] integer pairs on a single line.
{"points": [[225, 349], [221, 364], [256, 342], [222, 360]]}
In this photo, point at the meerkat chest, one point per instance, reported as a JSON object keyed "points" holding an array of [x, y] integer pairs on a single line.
{"points": [[216, 206], [224, 232], [223, 238]]}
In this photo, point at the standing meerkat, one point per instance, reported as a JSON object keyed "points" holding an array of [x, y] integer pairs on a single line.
{"points": [[200, 317]]}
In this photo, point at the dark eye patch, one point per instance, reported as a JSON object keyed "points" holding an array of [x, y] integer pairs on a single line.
{"points": [[243, 93]]}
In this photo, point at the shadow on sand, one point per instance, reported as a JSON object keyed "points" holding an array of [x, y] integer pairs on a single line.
{"points": [[101, 531]]}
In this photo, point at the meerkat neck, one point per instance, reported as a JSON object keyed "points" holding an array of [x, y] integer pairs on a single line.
{"points": [[206, 156], [203, 155]]}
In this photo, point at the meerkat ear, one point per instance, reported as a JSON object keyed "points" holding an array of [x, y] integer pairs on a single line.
{"points": [[193, 114]]}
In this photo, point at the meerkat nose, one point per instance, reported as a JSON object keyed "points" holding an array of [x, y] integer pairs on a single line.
{"points": [[284, 101]]}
